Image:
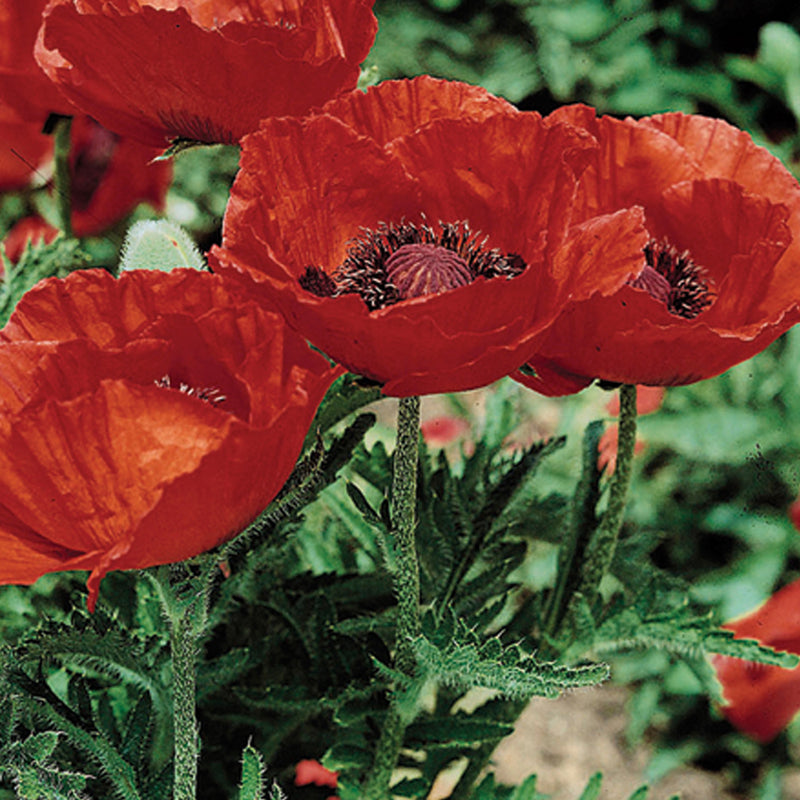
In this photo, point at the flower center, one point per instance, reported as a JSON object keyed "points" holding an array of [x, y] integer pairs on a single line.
{"points": [[400, 261], [419, 269], [674, 279]]}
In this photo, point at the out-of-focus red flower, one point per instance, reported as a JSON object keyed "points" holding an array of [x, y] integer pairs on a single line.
{"points": [[420, 233], [309, 771], [762, 699], [441, 431], [716, 283], [608, 446], [143, 420], [24, 149], [111, 176], [794, 513], [28, 230], [194, 69], [24, 88], [648, 400]]}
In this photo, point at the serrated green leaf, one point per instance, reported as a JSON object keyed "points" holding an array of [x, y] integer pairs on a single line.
{"points": [[456, 730], [527, 790], [722, 642], [410, 787], [37, 262], [363, 505], [346, 756], [138, 727], [252, 785], [460, 665], [592, 790], [40, 746]]}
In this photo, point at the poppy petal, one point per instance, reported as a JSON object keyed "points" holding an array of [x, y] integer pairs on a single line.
{"points": [[400, 108], [762, 699], [156, 74]]}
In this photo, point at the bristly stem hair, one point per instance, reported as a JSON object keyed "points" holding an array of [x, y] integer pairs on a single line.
{"points": [[406, 586]]}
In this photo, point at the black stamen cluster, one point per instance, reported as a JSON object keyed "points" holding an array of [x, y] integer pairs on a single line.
{"points": [[689, 294], [363, 271]]}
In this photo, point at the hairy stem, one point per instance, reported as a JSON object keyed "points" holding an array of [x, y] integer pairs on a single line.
{"points": [[63, 181], [186, 610], [187, 740], [601, 549], [406, 585]]}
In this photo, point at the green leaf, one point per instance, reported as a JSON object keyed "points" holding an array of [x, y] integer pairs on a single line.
{"points": [[527, 790], [40, 746], [138, 728], [461, 664], [719, 435], [592, 790], [363, 505], [683, 634], [37, 262], [410, 787], [252, 785], [459, 729]]}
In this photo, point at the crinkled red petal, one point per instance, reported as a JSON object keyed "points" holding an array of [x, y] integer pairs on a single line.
{"points": [[154, 74], [104, 469], [632, 166], [400, 108]]}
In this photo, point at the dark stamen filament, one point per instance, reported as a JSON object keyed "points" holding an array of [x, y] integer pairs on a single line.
{"points": [[671, 277]]}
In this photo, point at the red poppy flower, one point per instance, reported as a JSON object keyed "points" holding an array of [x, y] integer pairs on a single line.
{"points": [[441, 431], [111, 176], [309, 771], [794, 513], [23, 86], [197, 70], [716, 283], [25, 148], [30, 230], [762, 699], [419, 233], [143, 420]]}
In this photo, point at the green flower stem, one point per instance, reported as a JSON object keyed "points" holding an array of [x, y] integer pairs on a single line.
{"points": [[186, 620], [187, 740], [63, 181], [406, 585], [601, 549]]}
